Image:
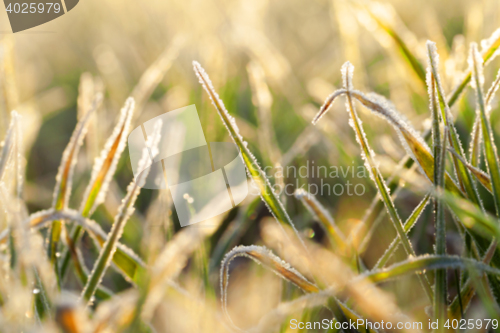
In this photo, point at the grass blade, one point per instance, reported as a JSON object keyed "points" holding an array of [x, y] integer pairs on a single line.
{"points": [[368, 156], [490, 149], [9, 143], [475, 143], [258, 176], [64, 177], [429, 262], [265, 257], [102, 173], [124, 212], [387, 27], [439, 150], [480, 175], [461, 302], [335, 235], [463, 173], [409, 224], [412, 141], [489, 52], [471, 215]]}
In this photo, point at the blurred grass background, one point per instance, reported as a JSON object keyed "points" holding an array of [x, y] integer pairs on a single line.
{"points": [[300, 46]]}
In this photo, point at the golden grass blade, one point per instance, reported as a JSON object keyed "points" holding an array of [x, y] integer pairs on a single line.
{"points": [[335, 235], [70, 316], [102, 173], [263, 100], [105, 165], [124, 212], [480, 175], [378, 12], [255, 172], [266, 258], [155, 73], [9, 143], [64, 176]]}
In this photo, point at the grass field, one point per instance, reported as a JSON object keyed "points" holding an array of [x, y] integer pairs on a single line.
{"points": [[387, 213]]}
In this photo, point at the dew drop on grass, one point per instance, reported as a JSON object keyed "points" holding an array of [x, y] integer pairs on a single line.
{"points": [[36, 291]]}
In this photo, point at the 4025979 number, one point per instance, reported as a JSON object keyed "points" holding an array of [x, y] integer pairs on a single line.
{"points": [[470, 324], [32, 8]]}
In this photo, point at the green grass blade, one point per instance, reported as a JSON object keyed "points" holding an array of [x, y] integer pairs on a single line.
{"points": [[475, 142], [412, 141], [439, 150], [490, 149], [472, 216], [124, 212], [258, 176], [347, 72], [464, 176], [409, 224], [467, 292], [429, 262]]}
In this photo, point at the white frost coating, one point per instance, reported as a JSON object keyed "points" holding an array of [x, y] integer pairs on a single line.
{"points": [[70, 155], [491, 93], [476, 64], [246, 251], [230, 124], [126, 209], [119, 135]]}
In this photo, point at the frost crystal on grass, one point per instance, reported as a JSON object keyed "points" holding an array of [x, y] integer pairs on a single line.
{"points": [[254, 171], [64, 176], [105, 164], [124, 212]]}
